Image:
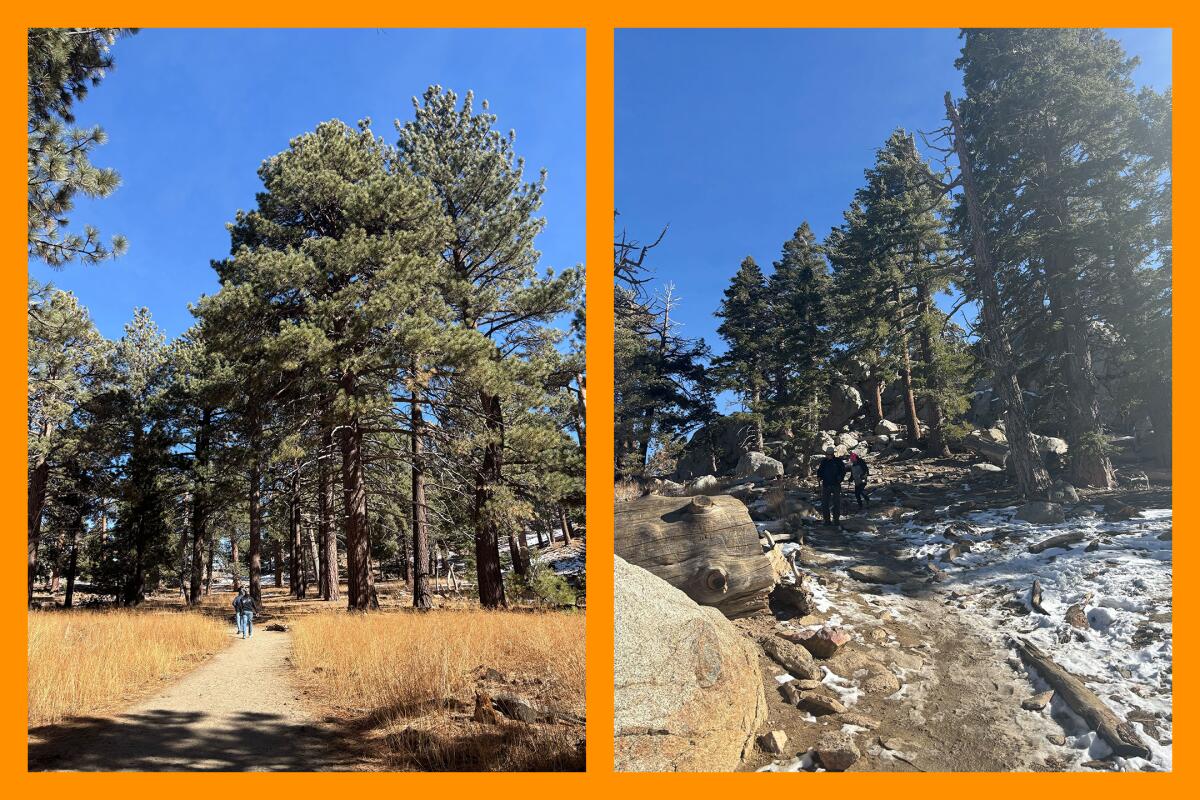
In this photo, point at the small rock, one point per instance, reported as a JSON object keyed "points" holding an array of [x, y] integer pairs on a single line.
{"points": [[870, 573], [883, 682], [1093, 546], [886, 428], [1038, 701], [1056, 738], [773, 742], [1164, 537], [277, 626], [858, 525], [821, 643], [984, 469], [1039, 512], [819, 704], [791, 656], [837, 751], [859, 719]]}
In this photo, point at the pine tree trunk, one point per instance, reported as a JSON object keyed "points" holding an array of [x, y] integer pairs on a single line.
{"points": [[56, 567], [328, 539], [39, 478], [359, 581], [199, 506], [516, 552], [208, 569], [77, 532], [487, 540], [181, 555], [877, 400], [277, 557], [910, 402], [422, 599], [1160, 417], [935, 444], [1089, 464], [565, 520], [254, 551], [581, 410], [233, 561], [311, 555], [1032, 479], [756, 408], [298, 584]]}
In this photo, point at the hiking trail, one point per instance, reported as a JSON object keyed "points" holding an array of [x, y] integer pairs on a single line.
{"points": [[236, 712]]}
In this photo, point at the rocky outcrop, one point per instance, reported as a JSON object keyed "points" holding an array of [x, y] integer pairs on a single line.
{"points": [[688, 692], [716, 448], [758, 465], [845, 403]]}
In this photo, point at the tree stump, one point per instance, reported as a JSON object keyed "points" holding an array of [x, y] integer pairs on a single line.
{"points": [[707, 547]]}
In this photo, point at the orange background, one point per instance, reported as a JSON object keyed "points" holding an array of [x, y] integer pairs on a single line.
{"points": [[600, 20]]}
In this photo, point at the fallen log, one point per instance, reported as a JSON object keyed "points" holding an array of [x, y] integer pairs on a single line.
{"points": [[1120, 735], [1062, 540], [706, 546]]}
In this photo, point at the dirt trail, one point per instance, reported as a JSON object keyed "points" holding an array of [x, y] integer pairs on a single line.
{"points": [[237, 712]]}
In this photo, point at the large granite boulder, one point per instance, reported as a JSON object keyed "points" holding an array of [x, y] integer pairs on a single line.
{"points": [[845, 402], [688, 693], [758, 465]]}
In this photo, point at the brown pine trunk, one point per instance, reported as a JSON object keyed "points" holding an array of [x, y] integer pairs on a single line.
{"points": [[39, 478], [520, 559], [73, 560], [420, 524], [199, 507], [56, 567], [359, 581], [565, 520], [581, 409], [1089, 464], [910, 402], [297, 582], [756, 408], [208, 569], [254, 551], [1032, 479], [328, 539], [877, 399], [935, 444], [233, 561], [181, 555], [487, 539], [277, 557]]}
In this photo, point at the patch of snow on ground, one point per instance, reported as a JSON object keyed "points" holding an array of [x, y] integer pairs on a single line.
{"points": [[1125, 583]]}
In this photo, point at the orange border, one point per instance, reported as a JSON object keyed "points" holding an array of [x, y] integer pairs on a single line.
{"points": [[599, 20]]}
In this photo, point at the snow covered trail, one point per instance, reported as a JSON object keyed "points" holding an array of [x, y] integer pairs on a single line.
{"points": [[1121, 574]]}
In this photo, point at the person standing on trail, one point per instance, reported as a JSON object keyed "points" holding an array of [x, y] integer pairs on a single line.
{"points": [[243, 606], [858, 473], [831, 471]]}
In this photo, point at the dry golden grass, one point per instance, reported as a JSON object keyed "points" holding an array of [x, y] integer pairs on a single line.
{"points": [[85, 662], [405, 683]]}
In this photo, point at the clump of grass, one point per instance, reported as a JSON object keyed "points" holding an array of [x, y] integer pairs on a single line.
{"points": [[85, 662], [398, 676]]}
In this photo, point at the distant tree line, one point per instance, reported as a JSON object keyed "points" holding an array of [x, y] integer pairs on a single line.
{"points": [[1047, 208], [384, 378]]}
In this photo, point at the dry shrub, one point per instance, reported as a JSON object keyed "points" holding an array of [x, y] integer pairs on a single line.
{"points": [[404, 683], [627, 489], [85, 662]]}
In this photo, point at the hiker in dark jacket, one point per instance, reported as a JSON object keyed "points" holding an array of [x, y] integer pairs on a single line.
{"points": [[858, 473], [831, 471], [243, 606]]}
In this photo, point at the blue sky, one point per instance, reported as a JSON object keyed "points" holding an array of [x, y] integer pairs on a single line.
{"points": [[735, 137], [191, 114]]}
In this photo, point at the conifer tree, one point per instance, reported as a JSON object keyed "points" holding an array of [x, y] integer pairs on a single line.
{"points": [[493, 285], [745, 326], [63, 64], [1052, 121]]}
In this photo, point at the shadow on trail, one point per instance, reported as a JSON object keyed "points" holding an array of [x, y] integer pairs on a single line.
{"points": [[172, 741]]}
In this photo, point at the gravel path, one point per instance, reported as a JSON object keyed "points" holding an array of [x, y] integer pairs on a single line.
{"points": [[237, 712]]}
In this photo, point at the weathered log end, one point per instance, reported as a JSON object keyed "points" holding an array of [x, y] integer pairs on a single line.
{"points": [[706, 546]]}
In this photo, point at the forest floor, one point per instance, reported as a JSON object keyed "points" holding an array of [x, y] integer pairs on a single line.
{"points": [[930, 679]]}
